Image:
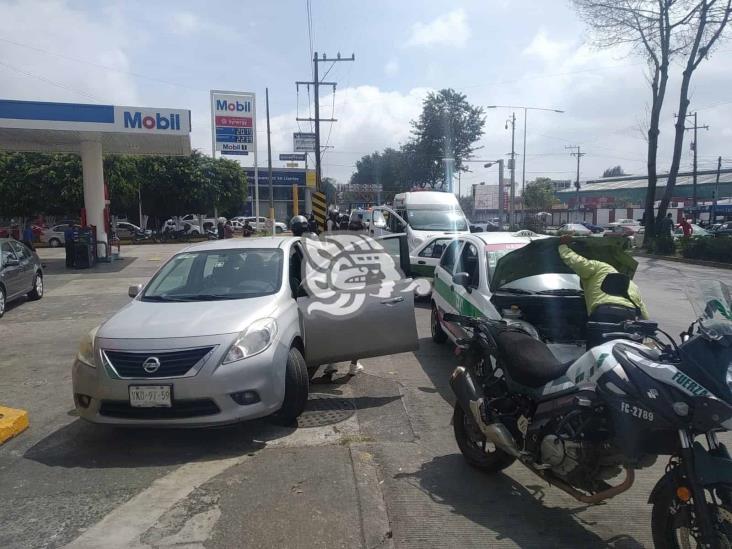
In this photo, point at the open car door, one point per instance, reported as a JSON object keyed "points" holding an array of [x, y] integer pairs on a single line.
{"points": [[360, 303], [385, 221]]}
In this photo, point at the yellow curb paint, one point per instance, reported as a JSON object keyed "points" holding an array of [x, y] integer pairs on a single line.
{"points": [[12, 423]]}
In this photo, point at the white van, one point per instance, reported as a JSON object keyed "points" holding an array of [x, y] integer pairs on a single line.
{"points": [[420, 214]]}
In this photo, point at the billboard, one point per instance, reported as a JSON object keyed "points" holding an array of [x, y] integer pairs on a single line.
{"points": [[233, 123], [486, 197], [303, 142], [293, 157]]}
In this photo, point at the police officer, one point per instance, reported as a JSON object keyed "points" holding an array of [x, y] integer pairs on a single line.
{"points": [[299, 225]]}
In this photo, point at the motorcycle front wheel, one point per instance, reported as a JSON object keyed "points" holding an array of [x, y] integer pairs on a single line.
{"points": [[673, 523], [476, 450]]}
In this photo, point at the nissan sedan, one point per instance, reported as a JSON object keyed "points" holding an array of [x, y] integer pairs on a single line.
{"points": [[222, 333]]}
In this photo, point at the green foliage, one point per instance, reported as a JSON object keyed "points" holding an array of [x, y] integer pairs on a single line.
{"points": [[615, 171], [663, 245], [707, 248], [447, 128], [539, 194], [32, 184]]}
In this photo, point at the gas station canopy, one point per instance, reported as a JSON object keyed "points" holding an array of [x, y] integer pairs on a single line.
{"points": [[32, 126], [92, 131]]}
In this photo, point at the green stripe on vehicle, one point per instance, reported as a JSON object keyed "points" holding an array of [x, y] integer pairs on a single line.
{"points": [[457, 302]]}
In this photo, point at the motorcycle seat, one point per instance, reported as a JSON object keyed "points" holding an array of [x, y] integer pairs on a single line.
{"points": [[528, 361]]}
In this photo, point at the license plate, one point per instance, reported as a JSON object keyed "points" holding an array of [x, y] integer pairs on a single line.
{"points": [[150, 396]]}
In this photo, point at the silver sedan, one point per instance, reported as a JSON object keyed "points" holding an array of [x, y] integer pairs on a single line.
{"points": [[217, 336]]}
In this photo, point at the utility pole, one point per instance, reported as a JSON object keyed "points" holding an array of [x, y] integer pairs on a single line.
{"points": [[512, 166], [694, 147], [316, 83], [716, 192], [269, 166], [579, 154]]}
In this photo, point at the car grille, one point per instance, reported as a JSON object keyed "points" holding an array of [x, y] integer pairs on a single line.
{"points": [[172, 363], [179, 410]]}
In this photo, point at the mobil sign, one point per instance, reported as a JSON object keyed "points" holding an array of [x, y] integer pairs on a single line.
{"points": [[233, 123], [163, 121]]}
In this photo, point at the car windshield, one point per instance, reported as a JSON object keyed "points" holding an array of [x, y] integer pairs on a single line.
{"points": [[436, 220], [712, 303], [209, 275], [494, 252]]}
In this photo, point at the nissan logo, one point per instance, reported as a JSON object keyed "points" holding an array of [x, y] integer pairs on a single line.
{"points": [[151, 364]]}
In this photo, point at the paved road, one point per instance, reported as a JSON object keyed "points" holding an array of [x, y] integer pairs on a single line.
{"points": [[373, 464]]}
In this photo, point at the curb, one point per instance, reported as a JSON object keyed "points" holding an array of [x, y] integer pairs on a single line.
{"points": [[375, 525], [12, 423], [699, 262]]}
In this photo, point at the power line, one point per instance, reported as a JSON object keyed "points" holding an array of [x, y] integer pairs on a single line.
{"points": [[310, 26], [49, 81]]}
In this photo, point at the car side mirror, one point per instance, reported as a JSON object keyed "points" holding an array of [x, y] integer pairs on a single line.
{"points": [[616, 284], [12, 262], [461, 279], [134, 290]]}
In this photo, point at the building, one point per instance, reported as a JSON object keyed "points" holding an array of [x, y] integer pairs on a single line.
{"points": [[283, 180], [631, 189]]}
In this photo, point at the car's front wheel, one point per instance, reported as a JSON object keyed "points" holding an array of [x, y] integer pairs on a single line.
{"points": [[37, 292], [2, 301], [54, 243], [279, 230], [438, 334], [296, 388]]}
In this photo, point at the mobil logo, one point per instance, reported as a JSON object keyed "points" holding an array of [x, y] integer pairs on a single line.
{"points": [[157, 121], [233, 106]]}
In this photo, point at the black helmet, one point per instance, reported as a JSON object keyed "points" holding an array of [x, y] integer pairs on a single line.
{"points": [[299, 225]]}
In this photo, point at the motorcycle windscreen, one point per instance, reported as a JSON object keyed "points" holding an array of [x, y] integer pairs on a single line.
{"points": [[362, 325]]}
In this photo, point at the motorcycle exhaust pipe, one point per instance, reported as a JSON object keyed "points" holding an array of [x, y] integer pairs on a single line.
{"points": [[470, 398]]}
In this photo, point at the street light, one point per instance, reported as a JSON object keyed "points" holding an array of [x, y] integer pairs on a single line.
{"points": [[526, 109]]}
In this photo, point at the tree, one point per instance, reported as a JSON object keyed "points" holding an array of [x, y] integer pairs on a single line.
{"points": [[655, 30], [447, 128], [615, 171], [51, 184], [707, 24], [539, 194], [330, 189]]}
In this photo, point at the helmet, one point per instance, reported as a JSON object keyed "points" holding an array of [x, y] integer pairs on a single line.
{"points": [[298, 225]]}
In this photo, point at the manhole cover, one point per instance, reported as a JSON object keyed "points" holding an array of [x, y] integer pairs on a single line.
{"points": [[324, 410]]}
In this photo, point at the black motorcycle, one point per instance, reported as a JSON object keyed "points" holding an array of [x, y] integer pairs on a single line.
{"points": [[617, 408]]}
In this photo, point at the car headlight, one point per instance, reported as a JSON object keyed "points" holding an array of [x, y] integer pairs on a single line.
{"points": [[86, 349], [729, 376], [252, 341]]}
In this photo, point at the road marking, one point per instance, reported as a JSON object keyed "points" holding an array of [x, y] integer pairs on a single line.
{"points": [[12, 422], [123, 527]]}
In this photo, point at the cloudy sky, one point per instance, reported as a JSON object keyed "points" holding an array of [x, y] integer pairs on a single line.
{"points": [[498, 52]]}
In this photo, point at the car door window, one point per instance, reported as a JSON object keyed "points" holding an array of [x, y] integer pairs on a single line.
{"points": [[449, 256], [435, 249], [21, 251], [469, 263], [6, 253]]}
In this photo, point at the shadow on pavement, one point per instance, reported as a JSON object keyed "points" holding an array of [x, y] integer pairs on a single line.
{"points": [[438, 361], [82, 444], [486, 500]]}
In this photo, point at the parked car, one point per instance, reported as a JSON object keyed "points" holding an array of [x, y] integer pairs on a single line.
{"points": [[632, 224], [261, 225], [128, 230], [54, 236], [696, 230], [21, 273], [596, 229], [725, 229], [576, 229], [425, 258], [621, 231], [221, 334], [191, 221]]}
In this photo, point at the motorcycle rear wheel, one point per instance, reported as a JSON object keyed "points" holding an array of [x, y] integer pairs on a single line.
{"points": [[672, 522], [475, 449]]}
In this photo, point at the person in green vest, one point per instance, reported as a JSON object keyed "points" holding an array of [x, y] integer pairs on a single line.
{"points": [[601, 307]]}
